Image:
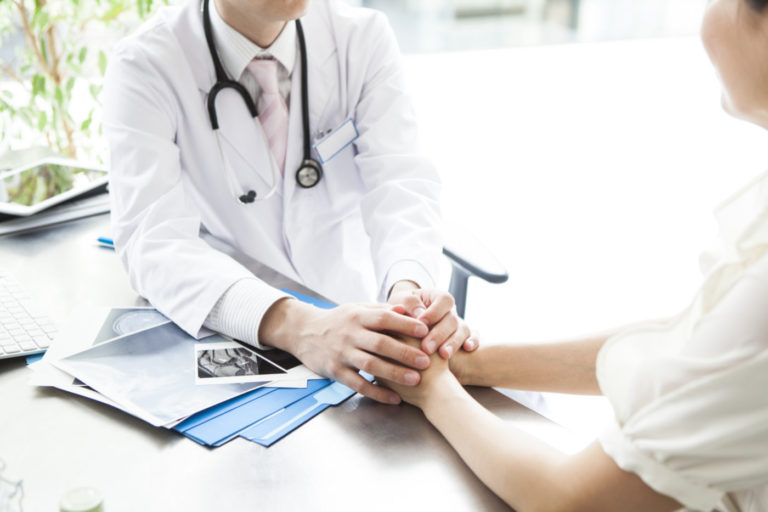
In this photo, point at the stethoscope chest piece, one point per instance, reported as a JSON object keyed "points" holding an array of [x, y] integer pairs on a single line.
{"points": [[248, 197], [309, 173]]}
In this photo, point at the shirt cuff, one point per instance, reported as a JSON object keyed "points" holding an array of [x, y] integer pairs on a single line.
{"points": [[239, 311], [407, 270], [660, 477]]}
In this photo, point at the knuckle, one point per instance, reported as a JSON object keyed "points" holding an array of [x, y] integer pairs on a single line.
{"points": [[397, 375], [348, 338], [381, 317], [367, 364], [378, 344], [358, 386], [405, 354], [335, 369]]}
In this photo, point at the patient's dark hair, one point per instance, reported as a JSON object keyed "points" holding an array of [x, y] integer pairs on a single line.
{"points": [[758, 5]]}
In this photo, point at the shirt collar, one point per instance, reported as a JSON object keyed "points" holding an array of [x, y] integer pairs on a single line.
{"points": [[236, 50]]}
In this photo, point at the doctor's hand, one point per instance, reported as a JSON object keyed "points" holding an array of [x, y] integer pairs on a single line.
{"points": [[338, 342], [447, 332]]}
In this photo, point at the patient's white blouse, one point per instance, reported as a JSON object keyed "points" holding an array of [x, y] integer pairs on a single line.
{"points": [[691, 395]]}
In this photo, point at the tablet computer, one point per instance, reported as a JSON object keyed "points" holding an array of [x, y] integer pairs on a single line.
{"points": [[42, 184]]}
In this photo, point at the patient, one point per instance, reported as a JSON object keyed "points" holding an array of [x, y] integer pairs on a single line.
{"points": [[690, 395]]}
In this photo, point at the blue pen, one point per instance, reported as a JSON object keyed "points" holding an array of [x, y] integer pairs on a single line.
{"points": [[106, 242]]}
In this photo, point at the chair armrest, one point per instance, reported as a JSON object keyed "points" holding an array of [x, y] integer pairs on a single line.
{"points": [[495, 274], [471, 260]]}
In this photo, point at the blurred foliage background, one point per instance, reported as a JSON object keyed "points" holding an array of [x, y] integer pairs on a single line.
{"points": [[52, 62]]}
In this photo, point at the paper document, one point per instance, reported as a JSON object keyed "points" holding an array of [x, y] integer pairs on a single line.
{"points": [[150, 373]]}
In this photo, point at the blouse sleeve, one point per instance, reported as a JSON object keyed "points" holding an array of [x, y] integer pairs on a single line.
{"points": [[692, 401]]}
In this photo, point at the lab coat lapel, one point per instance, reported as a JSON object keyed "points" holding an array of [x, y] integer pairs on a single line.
{"points": [[191, 37], [242, 134], [322, 80]]}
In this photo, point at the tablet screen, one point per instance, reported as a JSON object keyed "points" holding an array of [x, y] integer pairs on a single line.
{"points": [[44, 181]]}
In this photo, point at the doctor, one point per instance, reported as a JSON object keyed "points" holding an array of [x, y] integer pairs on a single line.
{"points": [[238, 134]]}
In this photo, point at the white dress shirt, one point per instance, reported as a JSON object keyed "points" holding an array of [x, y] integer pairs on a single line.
{"points": [[236, 51], [691, 396]]}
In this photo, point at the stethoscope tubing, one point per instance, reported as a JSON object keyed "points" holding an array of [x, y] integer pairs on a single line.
{"points": [[310, 171]]}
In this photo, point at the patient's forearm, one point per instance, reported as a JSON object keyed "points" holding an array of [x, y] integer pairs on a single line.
{"points": [[529, 474], [566, 367]]}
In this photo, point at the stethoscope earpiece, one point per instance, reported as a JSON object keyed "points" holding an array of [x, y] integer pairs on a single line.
{"points": [[248, 197]]}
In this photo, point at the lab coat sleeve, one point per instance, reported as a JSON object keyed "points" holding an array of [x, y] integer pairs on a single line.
{"points": [[155, 225], [401, 209]]}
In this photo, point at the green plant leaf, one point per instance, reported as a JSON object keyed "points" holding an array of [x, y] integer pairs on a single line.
{"points": [[102, 62], [83, 53], [38, 84], [58, 95], [40, 19], [44, 49], [42, 121], [6, 107], [94, 90], [115, 9], [70, 85]]}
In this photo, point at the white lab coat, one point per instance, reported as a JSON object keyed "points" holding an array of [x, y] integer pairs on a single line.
{"points": [[374, 214]]}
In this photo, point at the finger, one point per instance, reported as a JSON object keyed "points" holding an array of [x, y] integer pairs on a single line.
{"points": [[379, 368], [472, 343], [456, 340], [441, 305], [397, 308], [353, 380], [384, 320], [440, 333], [385, 346], [413, 304]]}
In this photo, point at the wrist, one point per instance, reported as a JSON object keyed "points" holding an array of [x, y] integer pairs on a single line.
{"points": [[464, 366], [282, 323], [442, 392]]}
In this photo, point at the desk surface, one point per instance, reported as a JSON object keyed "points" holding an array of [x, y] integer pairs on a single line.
{"points": [[358, 455]]}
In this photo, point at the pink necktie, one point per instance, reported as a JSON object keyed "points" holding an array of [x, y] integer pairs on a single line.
{"points": [[273, 114]]}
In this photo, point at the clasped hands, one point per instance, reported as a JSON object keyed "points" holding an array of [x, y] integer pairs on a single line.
{"points": [[338, 343]]}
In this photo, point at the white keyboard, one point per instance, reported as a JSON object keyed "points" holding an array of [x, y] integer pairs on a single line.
{"points": [[23, 329]]}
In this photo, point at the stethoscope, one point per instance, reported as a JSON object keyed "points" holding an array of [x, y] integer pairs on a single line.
{"points": [[310, 171]]}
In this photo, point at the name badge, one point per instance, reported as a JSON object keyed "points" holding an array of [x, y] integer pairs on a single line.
{"points": [[334, 143]]}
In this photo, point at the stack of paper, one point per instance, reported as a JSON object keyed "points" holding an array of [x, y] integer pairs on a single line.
{"points": [[211, 390]]}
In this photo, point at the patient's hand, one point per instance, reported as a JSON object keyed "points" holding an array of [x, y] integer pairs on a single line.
{"points": [[433, 380], [448, 333]]}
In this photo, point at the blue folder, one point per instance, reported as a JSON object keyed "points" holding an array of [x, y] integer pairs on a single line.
{"points": [[265, 415]]}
